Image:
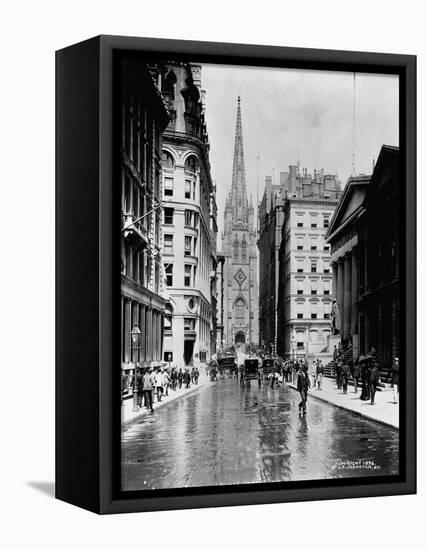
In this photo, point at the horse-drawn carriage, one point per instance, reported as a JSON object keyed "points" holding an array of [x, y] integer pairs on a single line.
{"points": [[268, 367], [227, 366], [250, 371]]}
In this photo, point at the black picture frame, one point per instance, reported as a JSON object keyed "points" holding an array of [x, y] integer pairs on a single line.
{"points": [[87, 408]]}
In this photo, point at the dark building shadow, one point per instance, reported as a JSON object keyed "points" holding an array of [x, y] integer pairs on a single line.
{"points": [[46, 487]]}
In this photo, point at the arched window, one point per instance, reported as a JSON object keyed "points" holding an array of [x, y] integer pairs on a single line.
{"points": [[236, 245], [244, 251], [167, 161], [169, 85], [191, 164], [240, 311]]}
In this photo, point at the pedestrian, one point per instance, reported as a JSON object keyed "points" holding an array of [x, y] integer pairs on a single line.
{"points": [[339, 375], [139, 387], [173, 378], [314, 373], [320, 374], [356, 373], [335, 353], [192, 375], [395, 379], [159, 384], [365, 375], [166, 382], [180, 378], [196, 375], [124, 384], [374, 380], [345, 373], [187, 378], [147, 382], [303, 385]]}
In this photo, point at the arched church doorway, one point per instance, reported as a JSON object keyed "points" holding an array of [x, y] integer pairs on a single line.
{"points": [[240, 341]]}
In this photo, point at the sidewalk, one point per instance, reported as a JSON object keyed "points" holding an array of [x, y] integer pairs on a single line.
{"points": [[127, 414], [384, 411]]}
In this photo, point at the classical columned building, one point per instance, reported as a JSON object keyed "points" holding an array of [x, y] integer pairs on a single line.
{"points": [[305, 277], [189, 221], [364, 236], [241, 323], [143, 117], [343, 238], [365, 240]]}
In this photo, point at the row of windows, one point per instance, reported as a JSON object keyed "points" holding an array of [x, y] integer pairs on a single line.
{"points": [[190, 245], [325, 223], [191, 217], [190, 275], [313, 316], [326, 291], [191, 163], [313, 269], [326, 248]]}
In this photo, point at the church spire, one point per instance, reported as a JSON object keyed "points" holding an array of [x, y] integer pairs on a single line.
{"points": [[238, 193]]}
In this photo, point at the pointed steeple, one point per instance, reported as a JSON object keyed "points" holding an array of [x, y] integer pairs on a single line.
{"points": [[238, 194]]}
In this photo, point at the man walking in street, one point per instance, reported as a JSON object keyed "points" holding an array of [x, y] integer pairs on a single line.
{"points": [[196, 375], [166, 382], [187, 378], [374, 380], [303, 385], [173, 378], [180, 378], [159, 384], [339, 375], [147, 383]]}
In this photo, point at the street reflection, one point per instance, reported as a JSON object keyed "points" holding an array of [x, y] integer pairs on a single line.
{"points": [[222, 435]]}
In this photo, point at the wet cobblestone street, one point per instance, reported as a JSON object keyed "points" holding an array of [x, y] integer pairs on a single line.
{"points": [[222, 435]]}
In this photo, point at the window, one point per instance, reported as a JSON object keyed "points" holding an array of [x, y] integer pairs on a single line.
{"points": [[314, 315], [299, 269], [240, 311], [168, 216], [243, 251], [188, 323], [188, 242], [191, 164], [168, 356], [300, 247], [188, 189], [326, 222], [168, 269], [300, 315], [313, 225], [187, 275], [167, 161], [300, 344], [326, 248], [236, 254], [326, 316], [168, 244], [299, 224], [188, 218], [326, 291], [314, 291], [313, 267], [168, 187], [313, 247], [299, 291]]}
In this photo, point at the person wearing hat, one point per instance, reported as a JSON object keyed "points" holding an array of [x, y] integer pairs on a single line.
{"points": [[148, 384], [303, 385], [395, 379], [374, 380]]}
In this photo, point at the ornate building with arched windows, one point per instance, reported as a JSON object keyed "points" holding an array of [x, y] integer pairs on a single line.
{"points": [[189, 227], [241, 323]]}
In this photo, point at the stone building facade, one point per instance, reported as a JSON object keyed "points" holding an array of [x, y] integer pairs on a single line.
{"points": [[365, 245], [305, 275], [143, 117], [241, 322], [189, 221]]}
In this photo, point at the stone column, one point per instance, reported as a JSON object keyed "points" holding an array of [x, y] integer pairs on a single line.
{"points": [[340, 288], [142, 326], [127, 328], [122, 330], [347, 299], [354, 305], [334, 283]]}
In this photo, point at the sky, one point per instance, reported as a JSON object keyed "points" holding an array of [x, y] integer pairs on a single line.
{"points": [[292, 114]]}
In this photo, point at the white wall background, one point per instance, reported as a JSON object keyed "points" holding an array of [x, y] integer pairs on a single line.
{"points": [[30, 32]]}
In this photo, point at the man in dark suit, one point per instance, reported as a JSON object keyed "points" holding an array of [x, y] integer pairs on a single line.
{"points": [[374, 380], [356, 372], [346, 372], [303, 385]]}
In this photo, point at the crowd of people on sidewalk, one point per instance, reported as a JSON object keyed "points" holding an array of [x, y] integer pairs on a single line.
{"points": [[155, 382]]}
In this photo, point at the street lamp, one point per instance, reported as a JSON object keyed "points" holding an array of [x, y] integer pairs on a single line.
{"points": [[136, 339]]}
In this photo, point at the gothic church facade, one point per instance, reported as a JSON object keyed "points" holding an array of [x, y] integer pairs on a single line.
{"points": [[241, 313]]}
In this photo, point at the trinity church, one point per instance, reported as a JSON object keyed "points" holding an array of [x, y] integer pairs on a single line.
{"points": [[241, 310]]}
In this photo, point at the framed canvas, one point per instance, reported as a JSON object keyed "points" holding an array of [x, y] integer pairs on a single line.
{"points": [[236, 282]]}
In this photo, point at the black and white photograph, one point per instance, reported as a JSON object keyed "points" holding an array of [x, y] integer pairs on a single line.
{"points": [[260, 297]]}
